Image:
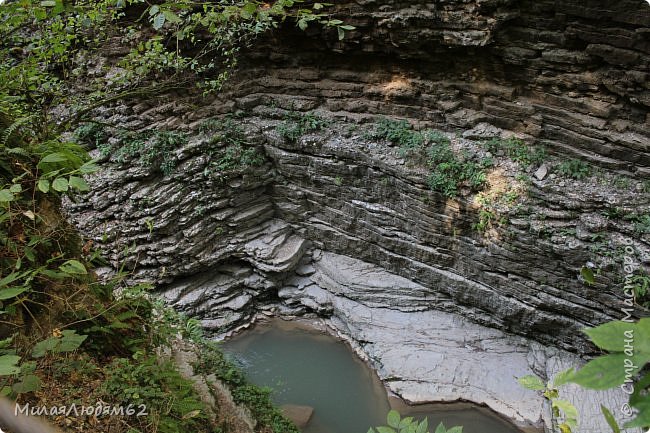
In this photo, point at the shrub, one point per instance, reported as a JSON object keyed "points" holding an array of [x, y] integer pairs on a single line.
{"points": [[156, 387], [517, 150], [575, 169], [295, 125]]}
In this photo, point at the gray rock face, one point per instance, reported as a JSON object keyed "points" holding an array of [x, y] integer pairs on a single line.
{"points": [[332, 225], [340, 226]]}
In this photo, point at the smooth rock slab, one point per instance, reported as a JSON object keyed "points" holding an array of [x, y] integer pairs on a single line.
{"points": [[435, 356]]}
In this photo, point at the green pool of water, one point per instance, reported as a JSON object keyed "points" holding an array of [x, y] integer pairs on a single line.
{"points": [[307, 367]]}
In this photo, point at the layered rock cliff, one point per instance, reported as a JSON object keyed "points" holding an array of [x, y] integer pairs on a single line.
{"points": [[225, 238]]}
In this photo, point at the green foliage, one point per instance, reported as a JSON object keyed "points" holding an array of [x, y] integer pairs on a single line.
{"points": [[154, 149], [397, 424], [517, 150], [235, 157], [575, 169], [563, 411], [640, 285], [91, 134], [174, 42], [449, 172], [295, 125], [642, 224], [146, 382], [628, 344], [68, 341]]}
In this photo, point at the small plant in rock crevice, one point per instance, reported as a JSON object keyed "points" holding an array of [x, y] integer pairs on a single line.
{"points": [[153, 149], [516, 149], [295, 125], [449, 172], [574, 169]]}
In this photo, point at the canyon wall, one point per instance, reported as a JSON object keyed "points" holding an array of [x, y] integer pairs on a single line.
{"points": [[224, 244], [573, 75]]}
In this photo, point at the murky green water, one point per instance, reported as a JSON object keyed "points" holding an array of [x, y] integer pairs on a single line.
{"points": [[305, 367]]}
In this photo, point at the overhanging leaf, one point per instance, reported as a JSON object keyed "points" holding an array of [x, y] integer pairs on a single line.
{"points": [[563, 377], [607, 371], [60, 184], [53, 157], [12, 292], [393, 418], [6, 195], [532, 382], [610, 336], [73, 267], [29, 383], [78, 183]]}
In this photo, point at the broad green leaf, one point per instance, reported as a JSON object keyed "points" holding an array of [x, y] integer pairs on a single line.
{"points": [[60, 184], [6, 195], [302, 24], [393, 418], [42, 347], [607, 371], [154, 10], [89, 167], [564, 428], [341, 33], [532, 382], [610, 419], [405, 422], [16, 188], [347, 27], [54, 157], [8, 365], [610, 336], [384, 429], [456, 429], [642, 420], [70, 341], [423, 426], [73, 267], [78, 183], [29, 383], [441, 428], [370, 430], [642, 336], [563, 377], [12, 292], [53, 274]]}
